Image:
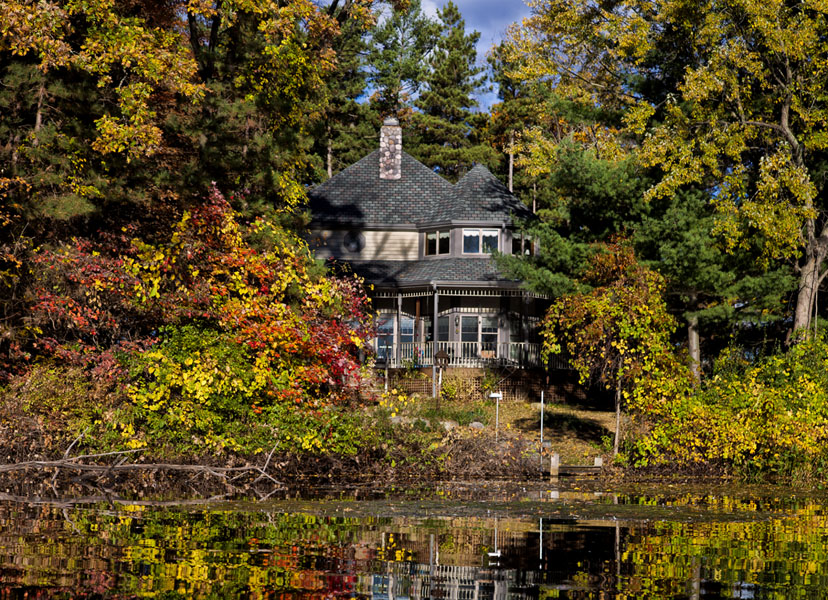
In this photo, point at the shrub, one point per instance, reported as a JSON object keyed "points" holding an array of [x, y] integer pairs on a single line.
{"points": [[769, 416]]}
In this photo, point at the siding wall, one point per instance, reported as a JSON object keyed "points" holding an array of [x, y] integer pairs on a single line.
{"points": [[378, 245]]}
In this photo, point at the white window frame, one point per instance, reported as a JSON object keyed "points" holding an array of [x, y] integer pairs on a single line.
{"points": [[480, 235], [437, 233]]}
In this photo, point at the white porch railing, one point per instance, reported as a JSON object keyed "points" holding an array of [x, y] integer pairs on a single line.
{"points": [[463, 354]]}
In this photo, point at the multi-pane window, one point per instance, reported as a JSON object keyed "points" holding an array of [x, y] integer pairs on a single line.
{"points": [[437, 242], [522, 244], [442, 329], [488, 335], [480, 241], [406, 329], [385, 335]]}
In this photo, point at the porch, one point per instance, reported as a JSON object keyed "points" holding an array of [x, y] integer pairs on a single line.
{"points": [[475, 354], [476, 327]]}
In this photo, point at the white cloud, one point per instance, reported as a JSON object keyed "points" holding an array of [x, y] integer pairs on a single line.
{"points": [[430, 8]]}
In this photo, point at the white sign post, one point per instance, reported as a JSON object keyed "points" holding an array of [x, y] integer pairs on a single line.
{"points": [[497, 396]]}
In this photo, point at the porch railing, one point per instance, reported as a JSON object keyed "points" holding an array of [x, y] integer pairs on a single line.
{"points": [[463, 354]]}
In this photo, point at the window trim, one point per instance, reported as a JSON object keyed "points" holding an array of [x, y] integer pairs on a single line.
{"points": [[438, 233], [525, 242], [480, 235]]}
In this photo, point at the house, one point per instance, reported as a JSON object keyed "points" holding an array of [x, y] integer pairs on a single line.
{"points": [[425, 247]]}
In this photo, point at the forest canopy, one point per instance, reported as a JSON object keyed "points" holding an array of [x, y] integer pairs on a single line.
{"points": [[155, 157]]}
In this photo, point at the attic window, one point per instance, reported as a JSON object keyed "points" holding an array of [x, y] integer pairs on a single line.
{"points": [[480, 241], [437, 242]]}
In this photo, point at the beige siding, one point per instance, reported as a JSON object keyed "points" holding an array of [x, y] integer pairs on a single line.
{"points": [[378, 245]]}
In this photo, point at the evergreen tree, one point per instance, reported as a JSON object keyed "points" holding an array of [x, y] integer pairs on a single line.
{"points": [[446, 128], [715, 293], [514, 113], [397, 68], [348, 130]]}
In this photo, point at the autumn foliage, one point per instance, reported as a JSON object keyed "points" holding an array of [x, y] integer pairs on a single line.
{"points": [[222, 321]]}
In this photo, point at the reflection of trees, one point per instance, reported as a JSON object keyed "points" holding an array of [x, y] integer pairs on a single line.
{"points": [[731, 545]]}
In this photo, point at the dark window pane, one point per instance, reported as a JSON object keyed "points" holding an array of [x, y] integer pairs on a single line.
{"points": [[406, 329], [444, 242], [516, 244], [471, 241], [468, 330], [431, 244], [489, 240], [442, 329]]}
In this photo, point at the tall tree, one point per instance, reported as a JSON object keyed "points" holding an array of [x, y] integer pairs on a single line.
{"points": [[147, 101], [445, 127], [716, 293], [349, 125], [731, 98], [517, 109], [399, 46]]}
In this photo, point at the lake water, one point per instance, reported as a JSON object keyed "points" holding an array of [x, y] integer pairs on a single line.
{"points": [[483, 541]]}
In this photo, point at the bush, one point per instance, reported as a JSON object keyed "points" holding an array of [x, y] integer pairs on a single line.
{"points": [[769, 416]]}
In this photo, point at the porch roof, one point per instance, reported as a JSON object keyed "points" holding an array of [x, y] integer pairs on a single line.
{"points": [[453, 271]]}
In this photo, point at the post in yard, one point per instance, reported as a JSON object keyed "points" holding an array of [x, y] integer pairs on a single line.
{"points": [[540, 450], [441, 360], [497, 396], [554, 466]]}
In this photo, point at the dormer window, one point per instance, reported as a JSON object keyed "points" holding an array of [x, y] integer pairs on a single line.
{"points": [[480, 241], [437, 242]]}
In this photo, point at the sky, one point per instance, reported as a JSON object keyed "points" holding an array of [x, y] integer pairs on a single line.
{"points": [[490, 18]]}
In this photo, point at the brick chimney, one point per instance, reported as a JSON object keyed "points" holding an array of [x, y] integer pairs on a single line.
{"points": [[390, 159]]}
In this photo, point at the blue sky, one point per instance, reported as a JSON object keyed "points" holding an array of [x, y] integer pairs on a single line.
{"points": [[490, 18]]}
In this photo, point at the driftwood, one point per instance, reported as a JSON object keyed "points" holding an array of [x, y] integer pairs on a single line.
{"points": [[88, 470]]}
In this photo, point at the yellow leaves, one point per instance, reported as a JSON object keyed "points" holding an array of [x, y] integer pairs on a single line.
{"points": [[638, 116], [149, 59]]}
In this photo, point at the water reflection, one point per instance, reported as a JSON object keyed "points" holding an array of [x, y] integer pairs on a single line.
{"points": [[508, 547]]}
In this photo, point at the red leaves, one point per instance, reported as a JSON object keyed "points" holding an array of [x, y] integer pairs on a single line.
{"points": [[303, 333]]}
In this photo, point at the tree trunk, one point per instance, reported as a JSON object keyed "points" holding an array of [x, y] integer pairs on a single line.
{"points": [[329, 157], [511, 159], [41, 92], [809, 279], [617, 438], [694, 347]]}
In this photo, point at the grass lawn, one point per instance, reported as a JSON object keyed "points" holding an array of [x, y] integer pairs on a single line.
{"points": [[578, 433]]}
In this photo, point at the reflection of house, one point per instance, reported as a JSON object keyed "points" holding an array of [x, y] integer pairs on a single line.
{"points": [[425, 246], [415, 581]]}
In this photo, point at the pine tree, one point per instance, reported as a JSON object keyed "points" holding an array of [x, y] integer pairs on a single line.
{"points": [[715, 293], [445, 129], [397, 67], [348, 130]]}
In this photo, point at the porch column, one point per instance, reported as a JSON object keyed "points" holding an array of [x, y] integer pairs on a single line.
{"points": [[398, 353], [418, 333], [434, 345], [524, 331]]}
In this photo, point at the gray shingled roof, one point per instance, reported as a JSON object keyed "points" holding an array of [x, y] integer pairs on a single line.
{"points": [[358, 197], [400, 273], [480, 196]]}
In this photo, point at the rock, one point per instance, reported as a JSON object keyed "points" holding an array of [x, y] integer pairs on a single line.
{"points": [[477, 425], [449, 425]]}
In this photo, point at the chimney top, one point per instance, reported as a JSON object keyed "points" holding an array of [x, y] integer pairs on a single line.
{"points": [[390, 158]]}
